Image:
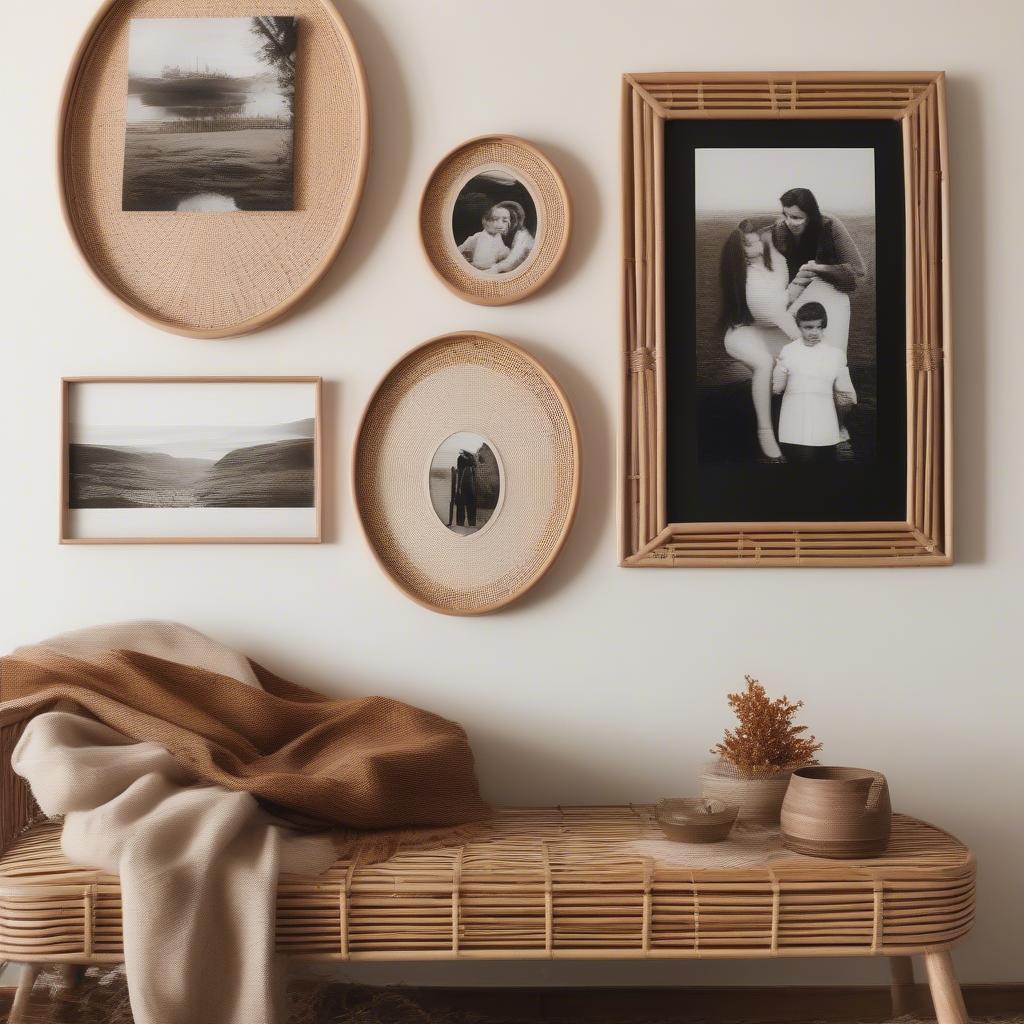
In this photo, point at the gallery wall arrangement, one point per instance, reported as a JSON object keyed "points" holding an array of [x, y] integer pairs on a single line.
{"points": [[384, 343], [786, 393], [786, 235], [778, 313]]}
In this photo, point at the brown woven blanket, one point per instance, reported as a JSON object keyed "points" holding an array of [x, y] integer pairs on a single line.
{"points": [[377, 771]]}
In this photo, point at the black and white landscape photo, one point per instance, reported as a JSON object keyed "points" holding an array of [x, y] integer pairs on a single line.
{"points": [[465, 483], [209, 114], [786, 360], [494, 223], [192, 459]]}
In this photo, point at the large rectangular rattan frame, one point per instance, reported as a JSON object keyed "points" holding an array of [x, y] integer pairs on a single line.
{"points": [[917, 101]]}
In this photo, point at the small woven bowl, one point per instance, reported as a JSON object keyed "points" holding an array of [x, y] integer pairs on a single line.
{"points": [[696, 819]]}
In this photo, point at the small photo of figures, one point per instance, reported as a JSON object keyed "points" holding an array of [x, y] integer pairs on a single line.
{"points": [[785, 305], [465, 483], [494, 223]]}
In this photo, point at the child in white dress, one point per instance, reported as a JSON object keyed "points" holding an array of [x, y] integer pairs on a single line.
{"points": [[487, 247], [814, 379]]}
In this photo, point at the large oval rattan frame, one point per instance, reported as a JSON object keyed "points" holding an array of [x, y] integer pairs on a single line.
{"points": [[573, 503], [334, 238], [556, 210]]}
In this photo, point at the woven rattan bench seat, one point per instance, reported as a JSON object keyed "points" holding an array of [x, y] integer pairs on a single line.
{"points": [[561, 883]]}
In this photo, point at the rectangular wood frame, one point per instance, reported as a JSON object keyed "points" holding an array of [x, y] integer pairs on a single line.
{"points": [[65, 390], [917, 100]]}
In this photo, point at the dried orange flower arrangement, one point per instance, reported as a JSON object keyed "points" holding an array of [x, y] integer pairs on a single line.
{"points": [[765, 741]]}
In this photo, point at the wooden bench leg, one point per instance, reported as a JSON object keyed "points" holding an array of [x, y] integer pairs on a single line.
{"points": [[902, 987], [24, 990], [946, 994], [70, 976]]}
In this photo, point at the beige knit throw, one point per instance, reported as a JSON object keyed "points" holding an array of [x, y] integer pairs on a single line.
{"points": [[175, 760]]}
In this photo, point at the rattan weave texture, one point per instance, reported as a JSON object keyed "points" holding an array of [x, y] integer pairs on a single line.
{"points": [[475, 382], [542, 883], [553, 213], [202, 274]]}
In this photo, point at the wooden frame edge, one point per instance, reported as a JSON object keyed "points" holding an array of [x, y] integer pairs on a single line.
{"points": [[318, 455], [623, 438], [949, 505]]}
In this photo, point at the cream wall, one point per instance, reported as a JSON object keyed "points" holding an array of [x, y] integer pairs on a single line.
{"points": [[604, 684]]}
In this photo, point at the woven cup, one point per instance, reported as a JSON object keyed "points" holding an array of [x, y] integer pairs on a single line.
{"points": [[837, 812]]}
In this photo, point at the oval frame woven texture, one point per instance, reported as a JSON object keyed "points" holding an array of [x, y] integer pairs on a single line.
{"points": [[213, 275], [554, 212], [476, 382]]}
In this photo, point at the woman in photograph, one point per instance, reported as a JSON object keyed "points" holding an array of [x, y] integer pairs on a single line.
{"points": [[518, 239], [822, 260], [755, 281]]}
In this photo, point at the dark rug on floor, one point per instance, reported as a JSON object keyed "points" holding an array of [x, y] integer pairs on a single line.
{"points": [[102, 998]]}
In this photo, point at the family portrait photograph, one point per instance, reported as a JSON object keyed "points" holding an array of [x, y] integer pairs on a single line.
{"points": [[785, 321], [465, 483], [784, 266], [494, 223], [209, 114], [191, 458]]}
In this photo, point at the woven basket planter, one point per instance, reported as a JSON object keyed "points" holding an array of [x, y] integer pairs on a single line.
{"points": [[837, 812], [759, 800]]}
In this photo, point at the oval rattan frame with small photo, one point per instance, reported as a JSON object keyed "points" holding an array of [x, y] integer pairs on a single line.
{"points": [[495, 219], [212, 271], [466, 472]]}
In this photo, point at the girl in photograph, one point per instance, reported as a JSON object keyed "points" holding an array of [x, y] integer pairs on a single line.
{"points": [[755, 279], [487, 248], [517, 238], [814, 379], [822, 260]]}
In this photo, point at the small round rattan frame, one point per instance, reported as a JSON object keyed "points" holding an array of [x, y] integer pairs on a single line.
{"points": [[478, 382], [554, 215]]}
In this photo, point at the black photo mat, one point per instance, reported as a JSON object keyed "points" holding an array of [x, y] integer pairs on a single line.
{"points": [[733, 491]]}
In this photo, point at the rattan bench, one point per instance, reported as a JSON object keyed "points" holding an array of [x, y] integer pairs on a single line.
{"points": [[561, 883]]}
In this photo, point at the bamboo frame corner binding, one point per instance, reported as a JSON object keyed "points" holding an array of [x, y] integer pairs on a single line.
{"points": [[917, 100], [64, 533]]}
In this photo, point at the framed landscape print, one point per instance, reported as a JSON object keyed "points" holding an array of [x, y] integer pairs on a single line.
{"points": [[786, 320], [190, 460]]}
